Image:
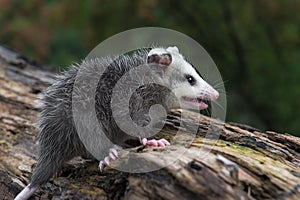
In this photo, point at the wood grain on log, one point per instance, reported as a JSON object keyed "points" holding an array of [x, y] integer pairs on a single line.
{"points": [[244, 163]]}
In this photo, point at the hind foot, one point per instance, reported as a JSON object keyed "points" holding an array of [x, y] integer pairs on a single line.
{"points": [[113, 155], [155, 143], [113, 152]]}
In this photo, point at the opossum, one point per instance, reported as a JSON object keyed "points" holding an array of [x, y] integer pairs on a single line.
{"points": [[177, 85]]}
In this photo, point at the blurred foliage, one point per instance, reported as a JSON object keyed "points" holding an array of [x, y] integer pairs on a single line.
{"points": [[255, 44]]}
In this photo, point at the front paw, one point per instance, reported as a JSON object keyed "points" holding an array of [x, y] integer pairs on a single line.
{"points": [[155, 143]]}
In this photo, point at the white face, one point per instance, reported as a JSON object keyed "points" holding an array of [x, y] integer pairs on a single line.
{"points": [[184, 81]]}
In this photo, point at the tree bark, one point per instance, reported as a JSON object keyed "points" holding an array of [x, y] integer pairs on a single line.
{"points": [[237, 162]]}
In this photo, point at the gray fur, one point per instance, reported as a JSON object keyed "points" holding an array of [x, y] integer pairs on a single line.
{"points": [[58, 139]]}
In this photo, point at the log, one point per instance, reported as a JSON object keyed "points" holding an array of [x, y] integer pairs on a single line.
{"points": [[240, 162]]}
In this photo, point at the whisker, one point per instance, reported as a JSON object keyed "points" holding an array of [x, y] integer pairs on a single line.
{"points": [[221, 83], [219, 105]]}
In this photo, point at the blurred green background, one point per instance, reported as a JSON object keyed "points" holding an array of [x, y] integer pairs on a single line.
{"points": [[255, 43]]}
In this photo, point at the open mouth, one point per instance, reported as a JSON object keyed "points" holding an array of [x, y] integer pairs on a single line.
{"points": [[196, 103]]}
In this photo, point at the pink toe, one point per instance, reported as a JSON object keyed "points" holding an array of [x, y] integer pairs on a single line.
{"points": [[166, 142], [160, 143], [114, 153], [112, 156], [152, 143], [144, 141]]}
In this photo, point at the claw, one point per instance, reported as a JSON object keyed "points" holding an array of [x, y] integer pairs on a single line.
{"points": [[101, 166]]}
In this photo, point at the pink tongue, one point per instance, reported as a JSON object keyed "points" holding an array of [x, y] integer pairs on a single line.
{"points": [[198, 104], [202, 105]]}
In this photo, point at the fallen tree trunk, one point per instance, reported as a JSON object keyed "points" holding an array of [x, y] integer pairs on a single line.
{"points": [[243, 163]]}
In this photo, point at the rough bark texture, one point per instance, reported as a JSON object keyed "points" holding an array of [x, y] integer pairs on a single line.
{"points": [[243, 163]]}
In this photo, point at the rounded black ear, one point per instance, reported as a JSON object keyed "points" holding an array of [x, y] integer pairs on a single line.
{"points": [[162, 59]]}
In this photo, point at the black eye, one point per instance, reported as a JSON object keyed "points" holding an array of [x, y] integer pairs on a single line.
{"points": [[190, 79]]}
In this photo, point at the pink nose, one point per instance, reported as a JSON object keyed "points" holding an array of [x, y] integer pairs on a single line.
{"points": [[216, 95]]}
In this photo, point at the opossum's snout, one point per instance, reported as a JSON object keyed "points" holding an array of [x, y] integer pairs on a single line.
{"points": [[210, 95], [215, 95]]}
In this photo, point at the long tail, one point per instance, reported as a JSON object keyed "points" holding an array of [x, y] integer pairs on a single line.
{"points": [[26, 193]]}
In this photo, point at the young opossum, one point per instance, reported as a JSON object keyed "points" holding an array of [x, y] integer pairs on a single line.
{"points": [[58, 137]]}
